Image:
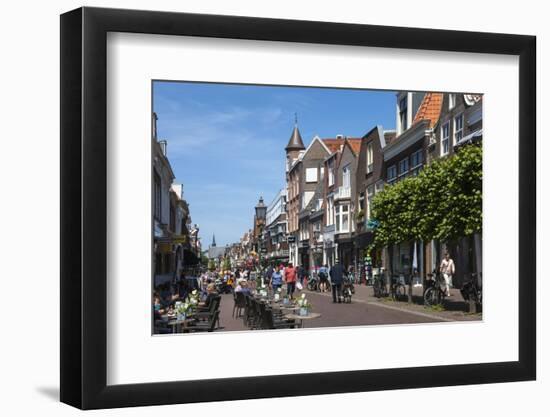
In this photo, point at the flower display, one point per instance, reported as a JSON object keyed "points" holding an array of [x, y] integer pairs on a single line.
{"points": [[303, 302]]}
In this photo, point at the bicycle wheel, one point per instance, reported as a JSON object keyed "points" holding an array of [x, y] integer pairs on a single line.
{"points": [[400, 292], [430, 297]]}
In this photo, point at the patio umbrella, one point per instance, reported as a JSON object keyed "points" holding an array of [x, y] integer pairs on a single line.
{"points": [[415, 261]]}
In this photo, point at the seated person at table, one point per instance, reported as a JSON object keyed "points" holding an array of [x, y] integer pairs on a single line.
{"points": [[157, 306], [211, 294]]}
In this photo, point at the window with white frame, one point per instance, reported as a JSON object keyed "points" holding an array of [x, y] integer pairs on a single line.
{"points": [[370, 196], [330, 211], [362, 201], [346, 176], [379, 186], [370, 156], [416, 162], [342, 218], [452, 101], [345, 218], [403, 167], [445, 138], [392, 174], [459, 127], [311, 175], [306, 198], [330, 173]]}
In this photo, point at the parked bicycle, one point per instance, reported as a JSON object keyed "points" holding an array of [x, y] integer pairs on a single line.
{"points": [[379, 286], [471, 290], [397, 289], [434, 293]]}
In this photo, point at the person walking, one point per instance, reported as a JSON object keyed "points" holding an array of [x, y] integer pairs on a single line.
{"points": [[268, 274], [301, 273], [290, 279], [276, 280], [447, 268], [336, 279]]}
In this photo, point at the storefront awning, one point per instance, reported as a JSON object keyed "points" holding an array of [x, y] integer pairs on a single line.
{"points": [[471, 138]]}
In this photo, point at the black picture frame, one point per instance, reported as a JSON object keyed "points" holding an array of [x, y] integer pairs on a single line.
{"points": [[84, 207]]}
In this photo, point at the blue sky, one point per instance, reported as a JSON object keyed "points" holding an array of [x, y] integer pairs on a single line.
{"points": [[226, 142]]}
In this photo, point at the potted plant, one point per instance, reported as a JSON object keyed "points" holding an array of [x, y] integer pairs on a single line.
{"points": [[185, 309], [304, 304]]}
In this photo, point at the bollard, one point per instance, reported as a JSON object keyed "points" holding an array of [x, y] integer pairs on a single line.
{"points": [[472, 305]]}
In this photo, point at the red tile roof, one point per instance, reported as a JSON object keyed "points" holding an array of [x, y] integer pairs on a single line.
{"points": [[333, 144], [355, 144], [429, 109]]}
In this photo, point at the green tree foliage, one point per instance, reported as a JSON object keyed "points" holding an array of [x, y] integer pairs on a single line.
{"points": [[211, 265], [443, 202], [226, 264]]}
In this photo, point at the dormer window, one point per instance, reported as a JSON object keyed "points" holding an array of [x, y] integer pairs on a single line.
{"points": [[370, 156]]}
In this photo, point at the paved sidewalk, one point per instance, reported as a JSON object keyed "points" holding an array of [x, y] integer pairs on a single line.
{"points": [[455, 307]]}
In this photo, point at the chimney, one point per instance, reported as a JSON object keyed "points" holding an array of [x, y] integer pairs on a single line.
{"points": [[339, 136]]}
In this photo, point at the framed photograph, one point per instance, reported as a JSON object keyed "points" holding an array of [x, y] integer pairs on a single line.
{"points": [[248, 203]]}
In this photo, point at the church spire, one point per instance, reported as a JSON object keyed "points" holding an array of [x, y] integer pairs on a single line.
{"points": [[213, 240], [295, 143]]}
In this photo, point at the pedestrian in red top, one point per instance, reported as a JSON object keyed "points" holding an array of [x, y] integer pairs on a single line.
{"points": [[290, 279]]}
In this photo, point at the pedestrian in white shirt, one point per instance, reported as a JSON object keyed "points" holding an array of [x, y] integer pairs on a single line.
{"points": [[447, 268]]}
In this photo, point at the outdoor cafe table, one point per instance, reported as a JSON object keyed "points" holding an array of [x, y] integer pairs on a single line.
{"points": [[290, 307], [179, 324], [302, 318]]}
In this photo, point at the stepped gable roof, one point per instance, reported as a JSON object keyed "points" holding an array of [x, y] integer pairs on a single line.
{"points": [[295, 142], [429, 109]]}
